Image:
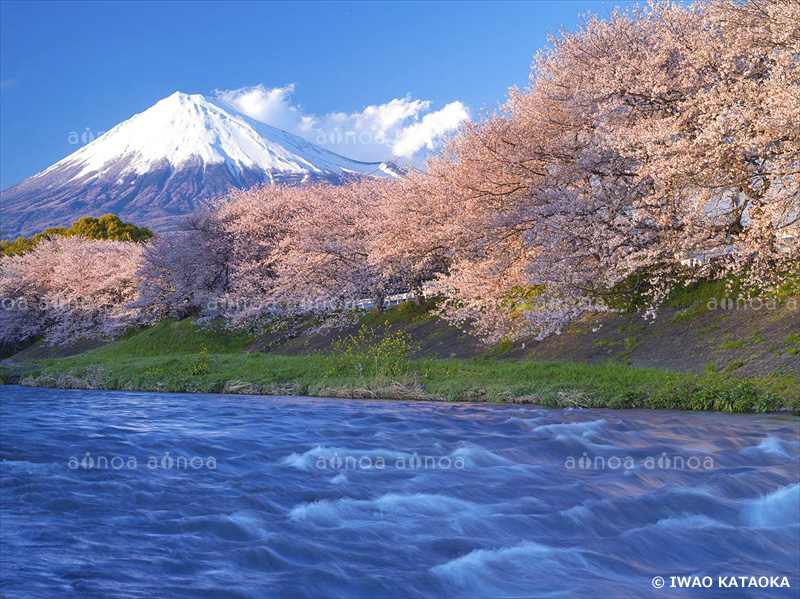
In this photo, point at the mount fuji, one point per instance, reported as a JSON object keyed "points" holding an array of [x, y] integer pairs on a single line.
{"points": [[160, 164]]}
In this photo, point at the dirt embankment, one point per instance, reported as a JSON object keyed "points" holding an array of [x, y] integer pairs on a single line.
{"points": [[742, 339]]}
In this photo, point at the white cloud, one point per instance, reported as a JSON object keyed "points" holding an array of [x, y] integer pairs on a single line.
{"points": [[402, 128], [270, 106], [432, 126]]}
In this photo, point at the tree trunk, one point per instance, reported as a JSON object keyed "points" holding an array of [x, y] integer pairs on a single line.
{"points": [[379, 299], [419, 297]]}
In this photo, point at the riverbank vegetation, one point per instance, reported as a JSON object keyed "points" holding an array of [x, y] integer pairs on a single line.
{"points": [[380, 359], [561, 384]]}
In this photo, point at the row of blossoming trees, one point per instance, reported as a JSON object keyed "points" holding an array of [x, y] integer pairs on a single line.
{"points": [[643, 139]]}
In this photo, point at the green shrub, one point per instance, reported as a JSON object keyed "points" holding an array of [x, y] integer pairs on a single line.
{"points": [[201, 363], [373, 352], [738, 398], [628, 400], [108, 226], [702, 399]]}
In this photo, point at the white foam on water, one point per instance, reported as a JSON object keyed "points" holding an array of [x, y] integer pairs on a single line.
{"points": [[416, 506], [581, 428], [324, 458], [426, 503], [691, 521], [489, 570], [322, 513], [773, 446], [578, 513], [476, 455], [779, 508], [527, 422]]}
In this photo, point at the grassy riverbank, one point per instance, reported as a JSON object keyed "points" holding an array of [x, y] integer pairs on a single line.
{"points": [[175, 357], [695, 355]]}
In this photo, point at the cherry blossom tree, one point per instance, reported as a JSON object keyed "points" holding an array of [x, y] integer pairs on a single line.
{"points": [[255, 223], [404, 244], [184, 273], [303, 250], [656, 135], [326, 255], [68, 288]]}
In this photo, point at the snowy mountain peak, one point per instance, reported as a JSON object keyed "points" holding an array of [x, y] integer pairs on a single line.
{"points": [[158, 164], [185, 128]]}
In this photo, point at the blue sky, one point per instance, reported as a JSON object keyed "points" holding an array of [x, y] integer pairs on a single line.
{"points": [[69, 66]]}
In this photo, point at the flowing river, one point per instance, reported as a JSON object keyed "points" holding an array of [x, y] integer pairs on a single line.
{"points": [[127, 494]]}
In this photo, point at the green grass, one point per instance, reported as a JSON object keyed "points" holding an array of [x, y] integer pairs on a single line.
{"points": [[604, 343], [700, 293], [178, 337], [182, 357], [405, 313], [732, 345], [752, 340], [500, 349], [793, 344], [735, 365]]}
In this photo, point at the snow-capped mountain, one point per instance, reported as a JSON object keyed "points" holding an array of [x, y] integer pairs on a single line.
{"points": [[161, 163]]}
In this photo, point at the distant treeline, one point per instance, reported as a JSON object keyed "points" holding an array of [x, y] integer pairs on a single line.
{"points": [[108, 226]]}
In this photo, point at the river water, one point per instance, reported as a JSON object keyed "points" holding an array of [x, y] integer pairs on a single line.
{"points": [[127, 494]]}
